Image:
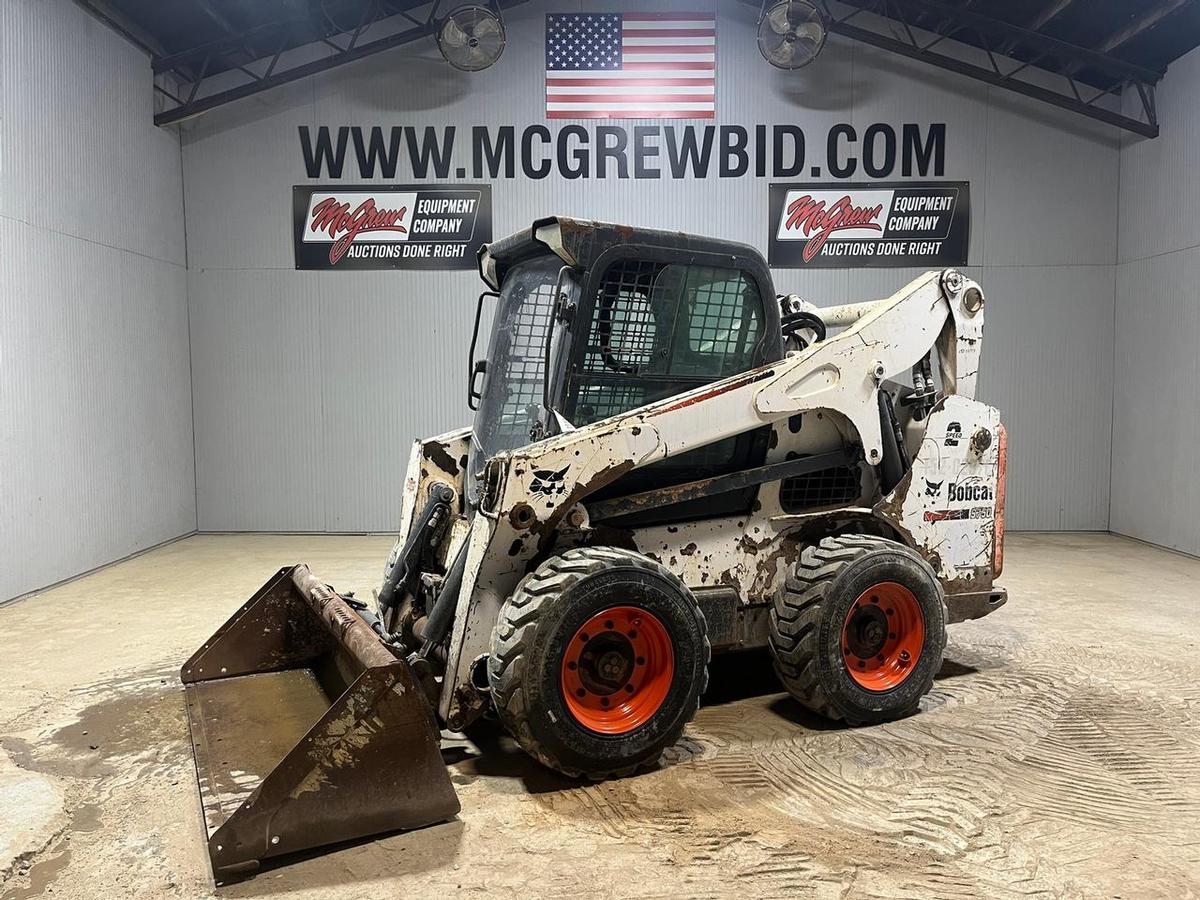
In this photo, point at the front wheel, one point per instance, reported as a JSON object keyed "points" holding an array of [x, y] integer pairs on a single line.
{"points": [[598, 661]]}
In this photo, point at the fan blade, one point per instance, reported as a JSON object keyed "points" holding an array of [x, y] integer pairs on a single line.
{"points": [[778, 18], [811, 31], [784, 53], [486, 27], [452, 34]]}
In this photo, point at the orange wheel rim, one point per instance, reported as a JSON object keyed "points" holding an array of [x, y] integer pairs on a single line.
{"points": [[617, 669], [882, 637]]}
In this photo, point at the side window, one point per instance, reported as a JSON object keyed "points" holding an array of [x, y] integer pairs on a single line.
{"points": [[658, 329], [724, 314]]}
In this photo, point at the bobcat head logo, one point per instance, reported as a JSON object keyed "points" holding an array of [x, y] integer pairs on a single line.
{"points": [[549, 483], [933, 488]]}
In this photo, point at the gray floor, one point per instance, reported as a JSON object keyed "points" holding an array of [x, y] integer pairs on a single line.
{"points": [[1058, 755]]}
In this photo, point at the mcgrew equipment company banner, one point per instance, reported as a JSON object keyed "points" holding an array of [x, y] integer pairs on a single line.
{"points": [[852, 225], [372, 226]]}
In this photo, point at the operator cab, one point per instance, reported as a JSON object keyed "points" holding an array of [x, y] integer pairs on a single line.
{"points": [[594, 320]]}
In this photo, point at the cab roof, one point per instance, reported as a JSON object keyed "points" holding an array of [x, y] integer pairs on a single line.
{"points": [[579, 242]]}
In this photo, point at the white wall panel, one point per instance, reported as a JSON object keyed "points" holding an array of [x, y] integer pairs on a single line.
{"points": [[1160, 193], [256, 379], [1047, 364], [308, 380], [890, 88], [1050, 186], [393, 344], [96, 456], [1155, 493], [80, 154]]}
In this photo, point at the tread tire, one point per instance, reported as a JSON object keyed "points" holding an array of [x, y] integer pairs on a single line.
{"points": [[806, 624], [526, 642]]}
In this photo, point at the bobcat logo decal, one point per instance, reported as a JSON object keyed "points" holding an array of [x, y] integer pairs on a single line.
{"points": [[549, 483], [933, 488]]}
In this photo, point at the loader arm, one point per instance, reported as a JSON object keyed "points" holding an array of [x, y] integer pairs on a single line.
{"points": [[518, 515]]}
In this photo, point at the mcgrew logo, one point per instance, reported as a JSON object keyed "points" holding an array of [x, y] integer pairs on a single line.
{"points": [[817, 223], [344, 226], [969, 491]]}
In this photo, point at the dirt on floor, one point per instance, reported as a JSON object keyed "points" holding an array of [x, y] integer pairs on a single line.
{"points": [[1058, 755]]}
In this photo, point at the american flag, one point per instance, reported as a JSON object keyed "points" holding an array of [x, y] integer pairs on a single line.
{"points": [[634, 65]]}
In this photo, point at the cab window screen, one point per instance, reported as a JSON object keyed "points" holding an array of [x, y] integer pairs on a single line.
{"points": [[661, 328]]}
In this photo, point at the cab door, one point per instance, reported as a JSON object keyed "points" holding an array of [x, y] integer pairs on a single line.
{"points": [[653, 324]]}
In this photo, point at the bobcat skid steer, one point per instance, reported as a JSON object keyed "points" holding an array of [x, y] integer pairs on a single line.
{"points": [[667, 460]]}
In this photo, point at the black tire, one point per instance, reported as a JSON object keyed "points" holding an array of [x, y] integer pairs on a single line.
{"points": [[544, 614], [811, 609]]}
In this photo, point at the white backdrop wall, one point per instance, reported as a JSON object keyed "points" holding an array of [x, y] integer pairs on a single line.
{"points": [[96, 456], [1156, 407], [308, 387]]}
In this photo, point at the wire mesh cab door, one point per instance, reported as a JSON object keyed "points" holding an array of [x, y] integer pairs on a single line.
{"points": [[655, 322]]}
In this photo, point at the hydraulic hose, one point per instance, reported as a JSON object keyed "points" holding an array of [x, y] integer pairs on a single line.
{"points": [[442, 614]]}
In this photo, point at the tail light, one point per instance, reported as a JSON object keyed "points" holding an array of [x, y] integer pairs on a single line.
{"points": [[1001, 485]]}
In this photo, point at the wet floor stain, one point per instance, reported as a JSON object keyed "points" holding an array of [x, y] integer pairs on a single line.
{"points": [[40, 876], [131, 717], [136, 723]]}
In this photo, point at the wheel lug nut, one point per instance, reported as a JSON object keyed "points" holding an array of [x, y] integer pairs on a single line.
{"points": [[874, 599], [608, 624]]}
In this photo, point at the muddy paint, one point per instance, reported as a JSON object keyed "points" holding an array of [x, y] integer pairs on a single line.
{"points": [[439, 454]]}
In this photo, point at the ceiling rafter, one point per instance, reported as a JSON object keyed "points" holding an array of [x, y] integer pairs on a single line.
{"points": [[191, 68], [895, 26]]}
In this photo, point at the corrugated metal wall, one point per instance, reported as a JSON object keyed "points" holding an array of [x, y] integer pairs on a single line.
{"points": [[96, 456], [309, 386], [1156, 428]]}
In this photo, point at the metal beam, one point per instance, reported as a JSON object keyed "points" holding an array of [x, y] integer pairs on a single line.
{"points": [[1144, 23], [980, 73], [1051, 46], [233, 42], [902, 41], [1044, 17], [1049, 14], [271, 78], [1138, 26], [122, 25]]}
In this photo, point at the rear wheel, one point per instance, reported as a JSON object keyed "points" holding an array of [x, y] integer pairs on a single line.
{"points": [[858, 631], [598, 661]]}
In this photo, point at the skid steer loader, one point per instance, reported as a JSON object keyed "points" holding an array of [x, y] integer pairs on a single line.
{"points": [[667, 460]]}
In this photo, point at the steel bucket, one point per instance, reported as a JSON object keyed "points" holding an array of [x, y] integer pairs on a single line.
{"points": [[307, 730]]}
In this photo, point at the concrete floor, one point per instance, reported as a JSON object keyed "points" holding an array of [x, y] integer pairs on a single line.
{"points": [[1058, 755]]}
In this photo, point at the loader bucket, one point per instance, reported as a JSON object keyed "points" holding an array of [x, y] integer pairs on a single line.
{"points": [[307, 730]]}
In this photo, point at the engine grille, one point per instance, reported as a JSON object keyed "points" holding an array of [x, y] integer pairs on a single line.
{"points": [[834, 486]]}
